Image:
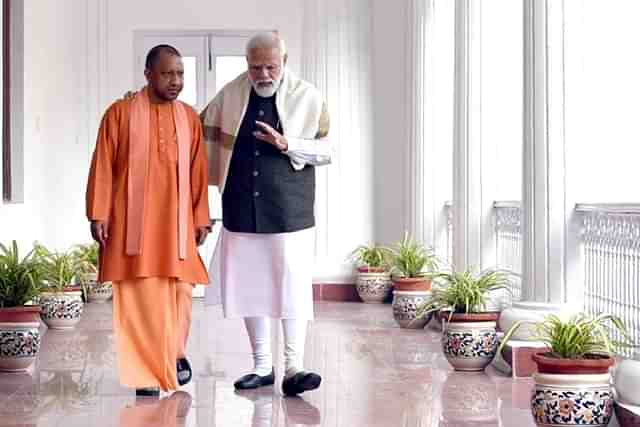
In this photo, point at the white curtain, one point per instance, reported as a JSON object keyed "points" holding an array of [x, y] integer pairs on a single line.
{"points": [[336, 57]]}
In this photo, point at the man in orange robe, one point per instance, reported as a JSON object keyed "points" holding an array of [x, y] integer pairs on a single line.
{"points": [[148, 206]]}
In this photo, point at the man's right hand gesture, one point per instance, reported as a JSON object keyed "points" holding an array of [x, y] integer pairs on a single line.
{"points": [[100, 232]]}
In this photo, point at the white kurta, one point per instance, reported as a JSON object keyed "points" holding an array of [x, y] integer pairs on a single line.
{"points": [[267, 275]]}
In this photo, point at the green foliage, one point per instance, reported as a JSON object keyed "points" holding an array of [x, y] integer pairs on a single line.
{"points": [[59, 268], [412, 259], [88, 256], [579, 337], [370, 256], [20, 278], [462, 292]]}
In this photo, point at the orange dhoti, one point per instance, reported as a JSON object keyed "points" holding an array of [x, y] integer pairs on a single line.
{"points": [[151, 320]]}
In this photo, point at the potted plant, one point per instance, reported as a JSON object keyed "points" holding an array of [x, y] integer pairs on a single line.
{"points": [[88, 256], [572, 385], [61, 300], [373, 281], [412, 267], [469, 339], [20, 283]]}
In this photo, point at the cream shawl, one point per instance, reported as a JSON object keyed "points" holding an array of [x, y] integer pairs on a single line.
{"points": [[299, 105]]}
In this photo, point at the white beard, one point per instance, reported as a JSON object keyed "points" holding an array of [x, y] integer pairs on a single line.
{"points": [[266, 91]]}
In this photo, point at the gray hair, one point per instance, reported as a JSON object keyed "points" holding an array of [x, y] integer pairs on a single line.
{"points": [[266, 40]]}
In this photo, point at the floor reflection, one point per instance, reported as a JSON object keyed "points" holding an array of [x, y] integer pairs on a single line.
{"points": [[374, 374]]}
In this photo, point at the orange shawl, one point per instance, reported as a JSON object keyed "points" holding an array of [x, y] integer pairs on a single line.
{"points": [[139, 171]]}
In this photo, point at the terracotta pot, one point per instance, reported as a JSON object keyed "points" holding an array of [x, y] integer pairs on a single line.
{"points": [[571, 392], [470, 317], [25, 313], [19, 337], [411, 284], [366, 269], [553, 365]]}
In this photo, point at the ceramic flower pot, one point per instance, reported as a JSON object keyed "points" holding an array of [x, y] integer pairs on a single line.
{"points": [[571, 392], [99, 292], [19, 337], [61, 310], [405, 304], [469, 341], [373, 286]]}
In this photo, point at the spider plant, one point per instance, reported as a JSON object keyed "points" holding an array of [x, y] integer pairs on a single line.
{"points": [[580, 337], [88, 256], [371, 256], [411, 259], [20, 278], [462, 292], [59, 268]]}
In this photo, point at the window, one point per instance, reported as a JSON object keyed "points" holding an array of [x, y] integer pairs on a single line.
{"points": [[228, 68], [189, 93]]}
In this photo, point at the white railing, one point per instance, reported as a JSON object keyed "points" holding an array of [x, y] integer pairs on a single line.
{"points": [[611, 262], [508, 240]]}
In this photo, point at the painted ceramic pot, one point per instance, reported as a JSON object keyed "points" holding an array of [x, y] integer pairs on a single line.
{"points": [[571, 393], [19, 345], [373, 286], [405, 304], [100, 292], [469, 341], [61, 310]]}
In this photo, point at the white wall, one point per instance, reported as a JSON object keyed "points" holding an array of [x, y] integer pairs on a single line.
{"points": [[390, 131], [78, 59]]}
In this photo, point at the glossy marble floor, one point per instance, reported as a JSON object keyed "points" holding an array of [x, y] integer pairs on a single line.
{"points": [[374, 375]]}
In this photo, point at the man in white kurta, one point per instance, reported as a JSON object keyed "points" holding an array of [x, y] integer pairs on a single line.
{"points": [[266, 131]]}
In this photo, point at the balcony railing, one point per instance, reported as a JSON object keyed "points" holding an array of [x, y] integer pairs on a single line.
{"points": [[610, 247], [611, 262], [508, 240]]}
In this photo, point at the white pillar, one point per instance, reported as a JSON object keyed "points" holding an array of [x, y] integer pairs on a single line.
{"points": [[545, 213], [467, 144]]}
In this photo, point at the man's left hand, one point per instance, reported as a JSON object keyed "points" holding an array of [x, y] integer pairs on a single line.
{"points": [[201, 235], [271, 136]]}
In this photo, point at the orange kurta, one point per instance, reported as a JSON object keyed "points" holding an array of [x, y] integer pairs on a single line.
{"points": [[107, 197]]}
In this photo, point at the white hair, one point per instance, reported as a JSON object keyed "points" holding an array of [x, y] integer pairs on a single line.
{"points": [[266, 40]]}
